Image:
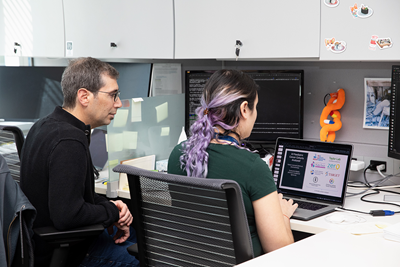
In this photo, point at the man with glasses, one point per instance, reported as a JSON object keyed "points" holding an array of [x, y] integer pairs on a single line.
{"points": [[57, 174]]}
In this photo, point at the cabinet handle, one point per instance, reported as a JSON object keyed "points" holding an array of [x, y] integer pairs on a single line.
{"points": [[15, 47], [113, 45], [238, 46]]}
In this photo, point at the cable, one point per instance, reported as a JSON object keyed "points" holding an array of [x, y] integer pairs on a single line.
{"points": [[369, 187], [377, 191], [365, 178], [344, 209], [379, 168], [374, 213], [325, 98], [376, 188]]}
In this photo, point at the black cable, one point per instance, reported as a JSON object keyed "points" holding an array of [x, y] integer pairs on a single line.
{"points": [[389, 191], [341, 208], [377, 191], [268, 150], [365, 178], [352, 184], [325, 98]]}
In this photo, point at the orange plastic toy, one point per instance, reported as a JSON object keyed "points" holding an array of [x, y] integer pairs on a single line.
{"points": [[329, 127]]}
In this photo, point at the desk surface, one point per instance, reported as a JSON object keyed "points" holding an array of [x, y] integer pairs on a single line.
{"points": [[333, 248], [335, 245], [321, 224]]}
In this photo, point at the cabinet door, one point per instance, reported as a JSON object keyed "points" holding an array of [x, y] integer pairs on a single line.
{"points": [[34, 28], [355, 33], [137, 29], [267, 29]]}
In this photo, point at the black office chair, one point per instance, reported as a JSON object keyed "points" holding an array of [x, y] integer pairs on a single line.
{"points": [[185, 221], [11, 142], [62, 241]]}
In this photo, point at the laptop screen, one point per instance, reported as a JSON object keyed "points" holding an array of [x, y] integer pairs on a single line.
{"points": [[312, 169]]}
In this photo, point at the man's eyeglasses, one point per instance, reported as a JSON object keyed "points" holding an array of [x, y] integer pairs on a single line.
{"points": [[114, 95]]}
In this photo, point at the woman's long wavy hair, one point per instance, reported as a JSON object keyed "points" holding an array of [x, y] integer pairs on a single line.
{"points": [[220, 103]]}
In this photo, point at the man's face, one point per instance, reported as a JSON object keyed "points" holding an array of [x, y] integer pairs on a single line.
{"points": [[104, 108]]}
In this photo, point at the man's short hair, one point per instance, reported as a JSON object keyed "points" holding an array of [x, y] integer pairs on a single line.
{"points": [[84, 73]]}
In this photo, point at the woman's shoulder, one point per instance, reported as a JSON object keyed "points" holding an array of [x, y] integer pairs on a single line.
{"points": [[177, 150], [233, 150], [174, 165]]}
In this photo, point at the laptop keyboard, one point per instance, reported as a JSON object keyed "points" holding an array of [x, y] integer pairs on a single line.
{"points": [[308, 205]]}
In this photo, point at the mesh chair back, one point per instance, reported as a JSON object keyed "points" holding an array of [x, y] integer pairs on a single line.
{"points": [[185, 221], [11, 142]]}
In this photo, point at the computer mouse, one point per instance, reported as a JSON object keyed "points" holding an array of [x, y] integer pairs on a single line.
{"points": [[337, 218]]}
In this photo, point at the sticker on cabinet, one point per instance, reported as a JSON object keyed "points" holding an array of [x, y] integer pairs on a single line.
{"points": [[69, 49], [382, 43], [335, 46], [361, 12], [331, 3]]}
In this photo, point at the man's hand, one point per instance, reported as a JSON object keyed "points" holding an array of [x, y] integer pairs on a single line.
{"points": [[125, 216], [122, 233]]}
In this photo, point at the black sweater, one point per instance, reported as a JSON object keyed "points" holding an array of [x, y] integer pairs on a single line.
{"points": [[57, 175]]}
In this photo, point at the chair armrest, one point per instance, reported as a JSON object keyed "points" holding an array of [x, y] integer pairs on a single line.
{"points": [[133, 250], [57, 237]]}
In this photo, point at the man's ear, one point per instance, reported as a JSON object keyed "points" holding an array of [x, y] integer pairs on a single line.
{"points": [[83, 97], [244, 109]]}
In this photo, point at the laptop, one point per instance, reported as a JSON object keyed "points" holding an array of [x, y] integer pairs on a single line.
{"points": [[314, 174]]}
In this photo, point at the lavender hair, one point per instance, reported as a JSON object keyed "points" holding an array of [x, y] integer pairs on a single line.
{"points": [[220, 104]]}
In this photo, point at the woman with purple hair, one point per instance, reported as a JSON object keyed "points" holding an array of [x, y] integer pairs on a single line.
{"points": [[226, 116]]}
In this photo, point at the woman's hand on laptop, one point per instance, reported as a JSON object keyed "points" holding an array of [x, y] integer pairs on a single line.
{"points": [[287, 206]]}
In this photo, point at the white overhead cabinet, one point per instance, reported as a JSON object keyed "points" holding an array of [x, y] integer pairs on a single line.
{"points": [[119, 28], [33, 28], [365, 31], [266, 29]]}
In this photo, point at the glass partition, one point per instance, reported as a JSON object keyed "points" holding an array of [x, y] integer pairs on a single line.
{"points": [[144, 127]]}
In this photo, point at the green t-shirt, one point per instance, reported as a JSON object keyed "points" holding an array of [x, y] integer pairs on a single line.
{"points": [[246, 168]]}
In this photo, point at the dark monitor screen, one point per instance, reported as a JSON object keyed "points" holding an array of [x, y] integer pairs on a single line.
{"points": [[280, 103], [394, 121], [29, 93]]}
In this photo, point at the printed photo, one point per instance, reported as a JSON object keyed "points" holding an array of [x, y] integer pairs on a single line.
{"points": [[377, 103]]}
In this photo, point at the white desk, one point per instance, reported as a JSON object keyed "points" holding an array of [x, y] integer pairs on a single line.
{"points": [[320, 224], [101, 188], [334, 245], [336, 249]]}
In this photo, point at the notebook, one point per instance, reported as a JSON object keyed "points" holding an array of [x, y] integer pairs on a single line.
{"points": [[312, 172]]}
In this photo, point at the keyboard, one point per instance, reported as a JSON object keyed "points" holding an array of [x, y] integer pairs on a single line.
{"points": [[308, 205]]}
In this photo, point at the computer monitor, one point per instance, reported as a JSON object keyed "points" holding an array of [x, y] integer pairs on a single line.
{"points": [[29, 93], [280, 103], [394, 121]]}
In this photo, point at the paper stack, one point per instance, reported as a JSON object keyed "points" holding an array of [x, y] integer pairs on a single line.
{"points": [[392, 232]]}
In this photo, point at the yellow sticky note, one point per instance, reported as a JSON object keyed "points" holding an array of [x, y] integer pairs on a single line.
{"points": [[164, 131], [162, 112], [120, 118]]}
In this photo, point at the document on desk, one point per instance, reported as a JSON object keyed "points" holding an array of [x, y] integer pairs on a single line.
{"points": [[392, 232], [146, 162]]}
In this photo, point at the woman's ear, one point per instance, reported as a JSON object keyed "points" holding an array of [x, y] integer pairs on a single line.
{"points": [[83, 96], [244, 109]]}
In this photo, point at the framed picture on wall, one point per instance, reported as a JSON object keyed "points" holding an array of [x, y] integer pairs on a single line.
{"points": [[377, 92]]}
